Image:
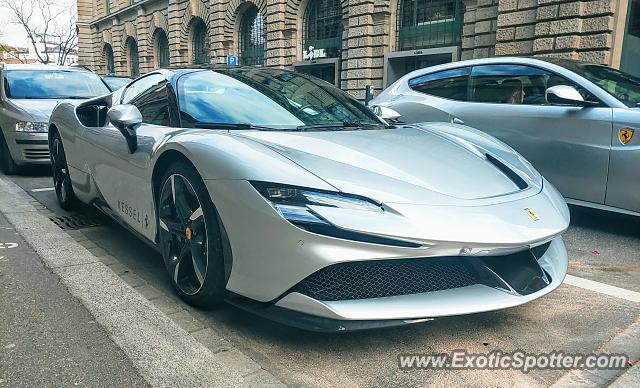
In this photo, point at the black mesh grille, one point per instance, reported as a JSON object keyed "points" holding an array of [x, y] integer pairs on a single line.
{"points": [[377, 279], [75, 221]]}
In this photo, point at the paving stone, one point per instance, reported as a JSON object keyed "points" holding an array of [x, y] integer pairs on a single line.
{"points": [[133, 280], [212, 340], [88, 244], [97, 251], [166, 305], [186, 321], [108, 260], [149, 292]]}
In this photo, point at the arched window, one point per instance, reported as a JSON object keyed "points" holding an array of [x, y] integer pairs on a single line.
{"points": [[132, 57], [323, 28], [429, 23], [199, 42], [110, 66], [252, 37], [162, 49]]}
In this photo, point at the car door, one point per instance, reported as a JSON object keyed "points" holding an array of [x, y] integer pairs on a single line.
{"points": [[624, 174], [569, 145], [123, 177]]}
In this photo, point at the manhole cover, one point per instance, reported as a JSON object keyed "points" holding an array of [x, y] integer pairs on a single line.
{"points": [[76, 221]]}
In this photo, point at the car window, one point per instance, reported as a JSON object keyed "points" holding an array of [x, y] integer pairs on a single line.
{"points": [[516, 84], [266, 97], [141, 85], [115, 83], [452, 84], [153, 104], [52, 84], [621, 85]]}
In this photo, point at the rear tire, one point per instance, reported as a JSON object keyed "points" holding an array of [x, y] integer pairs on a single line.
{"points": [[60, 172], [8, 166], [190, 237]]}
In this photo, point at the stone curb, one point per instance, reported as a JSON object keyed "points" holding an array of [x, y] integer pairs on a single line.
{"points": [[164, 353], [626, 342]]}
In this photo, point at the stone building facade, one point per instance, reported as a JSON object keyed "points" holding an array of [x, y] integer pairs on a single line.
{"points": [[353, 43]]}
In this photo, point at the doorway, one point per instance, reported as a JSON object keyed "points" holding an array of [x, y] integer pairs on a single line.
{"points": [[397, 64]]}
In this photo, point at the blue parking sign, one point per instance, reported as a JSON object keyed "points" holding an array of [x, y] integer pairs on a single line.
{"points": [[232, 60]]}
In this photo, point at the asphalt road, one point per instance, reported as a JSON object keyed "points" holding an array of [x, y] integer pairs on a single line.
{"points": [[602, 247], [47, 338]]}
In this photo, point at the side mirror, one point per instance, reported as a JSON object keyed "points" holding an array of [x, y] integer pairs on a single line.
{"points": [[127, 119], [385, 113], [566, 95]]}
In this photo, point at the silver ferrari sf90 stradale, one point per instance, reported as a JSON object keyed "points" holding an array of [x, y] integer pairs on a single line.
{"points": [[282, 195]]}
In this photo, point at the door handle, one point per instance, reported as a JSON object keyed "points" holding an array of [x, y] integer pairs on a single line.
{"points": [[456, 120]]}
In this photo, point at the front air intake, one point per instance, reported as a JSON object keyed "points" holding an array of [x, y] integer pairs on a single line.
{"points": [[379, 279]]}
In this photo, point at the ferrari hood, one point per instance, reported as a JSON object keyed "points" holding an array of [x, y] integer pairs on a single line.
{"points": [[404, 165]]}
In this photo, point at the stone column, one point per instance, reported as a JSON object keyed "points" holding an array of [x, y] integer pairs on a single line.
{"points": [[146, 52], [557, 28], [278, 37], [85, 43], [363, 47], [178, 53], [479, 31], [575, 29]]}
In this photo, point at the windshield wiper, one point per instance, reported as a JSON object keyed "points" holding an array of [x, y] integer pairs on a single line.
{"points": [[235, 126], [344, 124]]}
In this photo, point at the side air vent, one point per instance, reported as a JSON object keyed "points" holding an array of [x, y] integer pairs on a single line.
{"points": [[515, 178]]}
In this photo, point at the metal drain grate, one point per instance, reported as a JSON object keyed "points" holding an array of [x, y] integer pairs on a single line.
{"points": [[76, 221]]}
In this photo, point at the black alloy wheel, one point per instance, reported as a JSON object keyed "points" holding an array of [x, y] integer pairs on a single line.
{"points": [[190, 237], [60, 172]]}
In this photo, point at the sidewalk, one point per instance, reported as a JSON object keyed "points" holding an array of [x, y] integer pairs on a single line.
{"points": [[47, 338], [163, 353]]}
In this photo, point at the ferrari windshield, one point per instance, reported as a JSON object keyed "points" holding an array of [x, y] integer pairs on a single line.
{"points": [[52, 84], [268, 98], [619, 84]]}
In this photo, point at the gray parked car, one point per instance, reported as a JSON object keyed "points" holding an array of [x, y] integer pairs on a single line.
{"points": [[28, 94], [573, 121]]}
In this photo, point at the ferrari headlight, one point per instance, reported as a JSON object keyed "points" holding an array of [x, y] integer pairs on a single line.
{"points": [[295, 203], [28, 126]]}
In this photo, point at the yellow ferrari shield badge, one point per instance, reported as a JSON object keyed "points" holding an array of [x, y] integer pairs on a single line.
{"points": [[532, 214], [625, 135]]}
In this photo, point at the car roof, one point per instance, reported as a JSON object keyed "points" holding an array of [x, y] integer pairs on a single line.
{"points": [[540, 61], [563, 67]]}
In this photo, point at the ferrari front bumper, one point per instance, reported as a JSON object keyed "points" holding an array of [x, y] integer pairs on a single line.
{"points": [[299, 310], [272, 259]]}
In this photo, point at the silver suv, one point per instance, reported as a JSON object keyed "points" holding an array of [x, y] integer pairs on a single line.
{"points": [[28, 94]]}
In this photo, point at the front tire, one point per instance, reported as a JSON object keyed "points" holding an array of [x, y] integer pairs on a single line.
{"points": [[7, 165], [190, 237], [60, 172]]}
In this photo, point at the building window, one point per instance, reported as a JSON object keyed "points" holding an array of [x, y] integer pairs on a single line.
{"points": [[429, 23], [322, 33], [107, 7], [162, 49], [108, 59], [252, 38], [132, 57], [199, 42], [634, 19]]}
